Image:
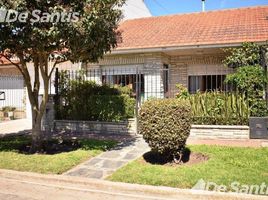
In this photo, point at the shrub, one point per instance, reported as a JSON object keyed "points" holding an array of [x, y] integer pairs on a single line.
{"points": [[8, 109], [89, 101], [165, 125], [251, 80], [216, 108]]}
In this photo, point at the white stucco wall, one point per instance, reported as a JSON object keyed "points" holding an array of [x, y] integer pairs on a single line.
{"points": [[14, 92], [135, 9]]}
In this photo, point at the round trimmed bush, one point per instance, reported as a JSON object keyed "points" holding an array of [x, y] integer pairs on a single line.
{"points": [[165, 125]]}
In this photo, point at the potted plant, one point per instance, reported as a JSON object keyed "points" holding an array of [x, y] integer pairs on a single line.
{"points": [[8, 112]]}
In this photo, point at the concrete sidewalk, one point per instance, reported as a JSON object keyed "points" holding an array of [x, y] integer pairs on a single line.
{"points": [[30, 186], [252, 143], [15, 126]]}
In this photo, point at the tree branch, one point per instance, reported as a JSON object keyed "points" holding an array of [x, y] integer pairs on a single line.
{"points": [[15, 64], [54, 66]]}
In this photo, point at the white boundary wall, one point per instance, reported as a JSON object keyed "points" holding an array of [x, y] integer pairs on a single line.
{"points": [[13, 86]]}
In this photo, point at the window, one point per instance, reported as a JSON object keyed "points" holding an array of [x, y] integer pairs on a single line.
{"points": [[130, 80], [206, 83], [166, 78]]}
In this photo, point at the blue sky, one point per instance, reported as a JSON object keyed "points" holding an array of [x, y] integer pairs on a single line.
{"points": [[164, 7]]}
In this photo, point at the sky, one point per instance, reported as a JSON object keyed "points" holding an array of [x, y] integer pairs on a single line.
{"points": [[165, 7]]}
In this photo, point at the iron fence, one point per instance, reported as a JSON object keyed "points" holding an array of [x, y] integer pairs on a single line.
{"points": [[144, 83]]}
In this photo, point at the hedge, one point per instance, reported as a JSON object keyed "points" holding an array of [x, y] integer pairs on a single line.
{"points": [[89, 101], [165, 125]]}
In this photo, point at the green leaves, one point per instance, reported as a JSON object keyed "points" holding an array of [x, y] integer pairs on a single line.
{"points": [[165, 125], [85, 100], [216, 108], [86, 40], [251, 81], [248, 54], [250, 78]]}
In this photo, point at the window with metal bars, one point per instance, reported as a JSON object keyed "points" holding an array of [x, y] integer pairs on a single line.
{"points": [[129, 80], [206, 83]]}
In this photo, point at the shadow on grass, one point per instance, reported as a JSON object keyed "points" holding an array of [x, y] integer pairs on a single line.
{"points": [[159, 159], [22, 144], [189, 158]]}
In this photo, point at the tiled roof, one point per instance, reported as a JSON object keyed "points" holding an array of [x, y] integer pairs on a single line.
{"points": [[4, 61], [207, 28], [9, 71]]}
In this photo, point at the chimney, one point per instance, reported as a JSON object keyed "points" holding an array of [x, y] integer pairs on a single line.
{"points": [[203, 5]]}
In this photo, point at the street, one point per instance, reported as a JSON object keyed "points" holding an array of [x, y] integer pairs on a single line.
{"points": [[29, 186]]}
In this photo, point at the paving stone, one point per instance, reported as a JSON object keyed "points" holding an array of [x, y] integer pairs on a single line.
{"points": [[136, 151], [131, 156], [93, 162], [79, 172], [111, 154], [97, 174], [107, 163], [111, 164]]}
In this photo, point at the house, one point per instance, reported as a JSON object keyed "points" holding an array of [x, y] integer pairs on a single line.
{"points": [[13, 89], [186, 48], [134, 9]]}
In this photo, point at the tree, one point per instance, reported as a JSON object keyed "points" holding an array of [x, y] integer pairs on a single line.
{"points": [[249, 54], [250, 77], [55, 31]]}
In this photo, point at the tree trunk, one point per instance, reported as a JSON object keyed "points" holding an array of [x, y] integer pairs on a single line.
{"points": [[40, 61], [37, 115], [37, 135]]}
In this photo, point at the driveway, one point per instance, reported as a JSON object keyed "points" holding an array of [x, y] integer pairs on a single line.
{"points": [[14, 126], [29, 186]]}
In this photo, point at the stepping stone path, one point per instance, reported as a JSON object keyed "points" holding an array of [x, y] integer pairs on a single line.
{"points": [[108, 162]]}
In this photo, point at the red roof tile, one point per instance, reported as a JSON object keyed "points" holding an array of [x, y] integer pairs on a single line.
{"points": [[4, 61], [213, 27], [9, 71]]}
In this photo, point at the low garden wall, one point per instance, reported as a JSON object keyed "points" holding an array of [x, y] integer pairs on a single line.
{"points": [[18, 114], [129, 127], [95, 127], [219, 132]]}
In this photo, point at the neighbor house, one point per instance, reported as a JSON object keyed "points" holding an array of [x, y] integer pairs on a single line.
{"points": [[134, 9], [185, 48]]}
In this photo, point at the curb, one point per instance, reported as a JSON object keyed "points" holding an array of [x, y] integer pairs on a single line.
{"points": [[123, 189]]}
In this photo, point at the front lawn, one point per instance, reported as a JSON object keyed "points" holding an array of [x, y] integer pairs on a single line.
{"points": [[56, 161], [225, 165]]}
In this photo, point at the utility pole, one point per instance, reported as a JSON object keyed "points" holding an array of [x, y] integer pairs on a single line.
{"points": [[203, 5]]}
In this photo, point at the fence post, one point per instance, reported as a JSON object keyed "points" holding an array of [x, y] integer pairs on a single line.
{"points": [[137, 100], [57, 96]]}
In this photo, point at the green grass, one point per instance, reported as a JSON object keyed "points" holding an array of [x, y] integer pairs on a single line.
{"points": [[11, 158], [226, 165]]}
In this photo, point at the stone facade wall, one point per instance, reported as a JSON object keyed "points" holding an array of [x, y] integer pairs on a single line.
{"points": [[219, 132], [91, 127]]}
